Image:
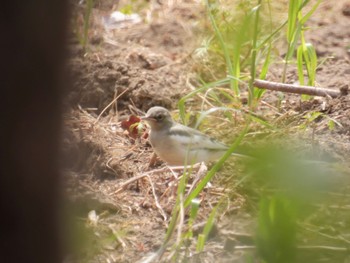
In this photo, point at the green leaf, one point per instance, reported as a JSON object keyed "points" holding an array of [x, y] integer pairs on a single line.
{"points": [[300, 65], [292, 19], [331, 125]]}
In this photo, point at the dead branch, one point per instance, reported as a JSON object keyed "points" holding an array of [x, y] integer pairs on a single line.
{"points": [[308, 90], [329, 248]]}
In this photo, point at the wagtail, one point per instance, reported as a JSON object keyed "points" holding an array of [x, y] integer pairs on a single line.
{"points": [[177, 144]]}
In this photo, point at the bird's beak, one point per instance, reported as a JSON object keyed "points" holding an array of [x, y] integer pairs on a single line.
{"points": [[145, 118]]}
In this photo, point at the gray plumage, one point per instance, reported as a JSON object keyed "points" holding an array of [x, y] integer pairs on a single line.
{"points": [[177, 144]]}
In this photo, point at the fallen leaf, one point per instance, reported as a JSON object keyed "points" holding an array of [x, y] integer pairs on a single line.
{"points": [[133, 126]]}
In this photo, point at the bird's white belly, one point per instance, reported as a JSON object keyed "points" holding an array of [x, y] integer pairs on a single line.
{"points": [[175, 153]]}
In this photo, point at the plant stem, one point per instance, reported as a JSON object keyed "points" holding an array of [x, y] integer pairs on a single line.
{"points": [[253, 63]]}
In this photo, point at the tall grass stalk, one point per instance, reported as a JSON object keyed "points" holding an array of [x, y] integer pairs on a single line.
{"points": [[202, 238], [254, 52], [84, 38], [295, 33], [244, 42], [231, 70], [204, 87]]}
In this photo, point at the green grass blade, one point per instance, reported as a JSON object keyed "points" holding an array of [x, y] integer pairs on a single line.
{"points": [[182, 101], [253, 53], [223, 46], [309, 14], [300, 65], [311, 63], [293, 10], [202, 238], [200, 242], [264, 70], [89, 5], [273, 34]]}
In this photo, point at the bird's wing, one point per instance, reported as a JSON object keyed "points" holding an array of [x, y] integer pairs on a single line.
{"points": [[194, 139]]}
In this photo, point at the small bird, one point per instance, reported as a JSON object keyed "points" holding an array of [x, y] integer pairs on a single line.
{"points": [[177, 144]]}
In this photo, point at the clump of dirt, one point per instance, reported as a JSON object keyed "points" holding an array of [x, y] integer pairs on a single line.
{"points": [[143, 65], [97, 80]]}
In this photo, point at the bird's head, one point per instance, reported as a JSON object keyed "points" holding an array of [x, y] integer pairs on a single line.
{"points": [[158, 118]]}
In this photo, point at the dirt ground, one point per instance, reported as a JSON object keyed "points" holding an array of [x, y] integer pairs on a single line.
{"points": [[126, 71]]}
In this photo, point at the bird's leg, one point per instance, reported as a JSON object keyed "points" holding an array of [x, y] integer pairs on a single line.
{"points": [[152, 161]]}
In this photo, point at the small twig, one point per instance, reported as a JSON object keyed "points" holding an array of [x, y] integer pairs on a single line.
{"points": [[271, 107], [203, 169], [133, 179], [339, 237], [182, 168], [338, 207], [290, 88], [110, 104], [176, 177], [181, 220], [245, 247], [340, 249], [108, 166], [156, 199]]}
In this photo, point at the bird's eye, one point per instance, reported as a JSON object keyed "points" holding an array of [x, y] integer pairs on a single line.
{"points": [[159, 117]]}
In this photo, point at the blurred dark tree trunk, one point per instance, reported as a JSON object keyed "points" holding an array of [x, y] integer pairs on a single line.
{"points": [[32, 46]]}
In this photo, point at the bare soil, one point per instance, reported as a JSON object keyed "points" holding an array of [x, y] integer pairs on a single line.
{"points": [[126, 71]]}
